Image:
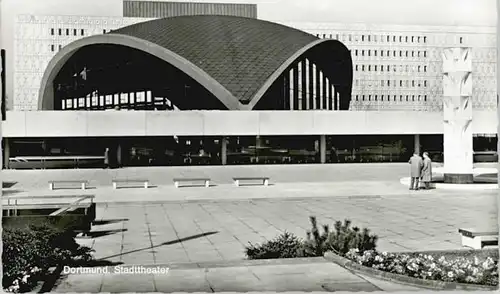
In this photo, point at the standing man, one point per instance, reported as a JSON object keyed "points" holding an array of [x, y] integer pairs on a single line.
{"points": [[106, 158], [416, 165], [427, 171]]}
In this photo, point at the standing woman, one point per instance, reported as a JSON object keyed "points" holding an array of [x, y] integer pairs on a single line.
{"points": [[427, 171]]}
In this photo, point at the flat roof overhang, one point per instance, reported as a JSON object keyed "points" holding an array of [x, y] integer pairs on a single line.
{"points": [[231, 123]]}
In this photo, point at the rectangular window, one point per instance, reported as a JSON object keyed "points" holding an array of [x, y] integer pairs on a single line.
{"points": [[317, 35], [52, 47], [368, 38], [461, 40], [60, 46], [413, 54], [413, 83], [324, 36], [388, 39], [419, 68], [400, 39], [400, 53], [388, 68], [369, 97], [425, 68], [376, 97], [356, 67], [406, 53], [425, 83], [82, 32], [52, 31], [413, 97], [362, 38], [382, 83], [104, 31], [425, 97], [382, 98], [412, 39], [388, 82], [406, 97], [381, 52], [356, 52], [337, 36], [357, 97], [369, 68], [418, 39], [374, 52], [74, 32], [59, 31], [67, 32], [406, 39], [400, 97], [394, 53], [401, 83], [425, 39], [331, 36], [363, 98], [375, 68], [381, 68], [394, 38], [363, 67], [350, 38], [425, 53], [362, 52], [369, 52]]}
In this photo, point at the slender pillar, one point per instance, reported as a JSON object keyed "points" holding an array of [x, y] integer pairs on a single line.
{"points": [[416, 143], [310, 97], [322, 148], [324, 93], [307, 96], [223, 153], [335, 105], [330, 98], [457, 110], [296, 88], [318, 88], [304, 85]]}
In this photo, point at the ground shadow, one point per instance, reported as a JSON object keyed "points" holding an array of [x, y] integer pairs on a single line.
{"points": [[97, 234], [109, 221], [196, 186], [163, 244], [8, 184], [254, 184], [136, 187], [11, 192], [73, 188]]}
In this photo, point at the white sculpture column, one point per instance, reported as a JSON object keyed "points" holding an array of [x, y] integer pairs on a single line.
{"points": [[457, 111]]}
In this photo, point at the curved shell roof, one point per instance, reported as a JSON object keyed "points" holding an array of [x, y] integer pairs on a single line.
{"points": [[240, 53]]}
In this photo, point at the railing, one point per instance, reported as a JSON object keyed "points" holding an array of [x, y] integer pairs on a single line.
{"points": [[12, 204], [43, 159]]}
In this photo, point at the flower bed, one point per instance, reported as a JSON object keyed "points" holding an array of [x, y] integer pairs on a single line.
{"points": [[435, 267]]}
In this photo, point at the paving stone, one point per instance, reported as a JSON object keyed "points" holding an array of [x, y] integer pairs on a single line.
{"points": [[118, 283]]}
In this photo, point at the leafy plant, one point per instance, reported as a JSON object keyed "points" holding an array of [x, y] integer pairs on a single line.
{"points": [[340, 240], [29, 252], [286, 245]]}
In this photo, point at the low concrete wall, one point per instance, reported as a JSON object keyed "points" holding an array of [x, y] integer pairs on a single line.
{"points": [[231, 123]]}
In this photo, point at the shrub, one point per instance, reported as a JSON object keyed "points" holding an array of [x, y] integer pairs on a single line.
{"points": [[286, 245], [340, 241], [475, 270], [29, 252]]}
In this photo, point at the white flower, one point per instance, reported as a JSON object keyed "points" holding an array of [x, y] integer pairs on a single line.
{"points": [[450, 274], [25, 279], [384, 254]]}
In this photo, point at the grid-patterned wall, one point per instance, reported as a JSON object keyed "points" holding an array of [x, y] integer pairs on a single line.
{"points": [[157, 9], [39, 38], [400, 67], [395, 67]]}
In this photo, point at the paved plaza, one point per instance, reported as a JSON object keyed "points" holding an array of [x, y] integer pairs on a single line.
{"points": [[180, 227]]}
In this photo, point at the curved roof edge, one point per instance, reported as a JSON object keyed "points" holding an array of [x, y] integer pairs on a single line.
{"points": [[277, 73], [58, 61]]}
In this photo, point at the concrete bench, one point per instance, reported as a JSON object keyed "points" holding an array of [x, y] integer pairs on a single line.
{"points": [[81, 183], [200, 181], [128, 182], [476, 238], [238, 180]]}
